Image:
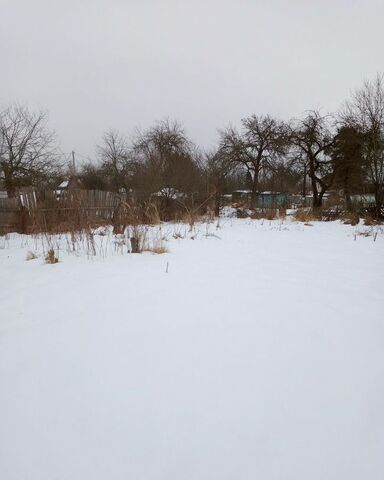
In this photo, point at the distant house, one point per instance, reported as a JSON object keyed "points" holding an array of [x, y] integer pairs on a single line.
{"points": [[169, 193], [241, 195], [271, 199], [297, 200], [363, 200], [3, 194], [63, 185], [263, 199], [72, 183]]}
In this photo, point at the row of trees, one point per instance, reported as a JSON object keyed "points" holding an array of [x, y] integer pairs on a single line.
{"points": [[160, 157], [320, 152], [344, 151]]}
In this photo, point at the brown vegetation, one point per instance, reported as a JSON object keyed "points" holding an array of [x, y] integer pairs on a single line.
{"points": [[160, 175], [51, 257]]}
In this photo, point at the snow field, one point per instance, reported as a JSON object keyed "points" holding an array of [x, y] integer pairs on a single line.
{"points": [[258, 355]]}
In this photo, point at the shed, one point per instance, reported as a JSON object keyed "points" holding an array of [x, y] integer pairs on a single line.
{"points": [[241, 195], [271, 199], [363, 200]]}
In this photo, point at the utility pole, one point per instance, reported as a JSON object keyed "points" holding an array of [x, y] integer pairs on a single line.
{"points": [[73, 162]]}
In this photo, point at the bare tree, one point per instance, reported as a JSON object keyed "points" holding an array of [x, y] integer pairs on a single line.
{"points": [[166, 156], [28, 150], [116, 158], [313, 138], [93, 177], [161, 140], [365, 112], [260, 142], [218, 167], [283, 175]]}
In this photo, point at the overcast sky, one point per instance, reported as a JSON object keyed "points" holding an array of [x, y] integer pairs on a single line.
{"points": [[100, 64]]}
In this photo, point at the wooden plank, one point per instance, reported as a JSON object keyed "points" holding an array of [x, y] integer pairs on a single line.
{"points": [[50, 208]]}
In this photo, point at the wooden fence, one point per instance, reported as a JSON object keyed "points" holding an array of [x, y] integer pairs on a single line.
{"points": [[42, 210], [10, 218]]}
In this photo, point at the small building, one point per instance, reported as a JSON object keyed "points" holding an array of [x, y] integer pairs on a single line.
{"points": [[241, 195], [72, 183], [271, 199], [169, 193], [296, 200], [363, 200], [262, 199]]}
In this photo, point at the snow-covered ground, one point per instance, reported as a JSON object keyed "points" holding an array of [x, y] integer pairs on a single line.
{"points": [[259, 354]]}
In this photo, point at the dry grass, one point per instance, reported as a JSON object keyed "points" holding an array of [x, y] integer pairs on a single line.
{"points": [[305, 215], [350, 218], [159, 249], [51, 257], [369, 220], [242, 213], [152, 213], [138, 238], [261, 213], [191, 217], [31, 256], [282, 213], [155, 245], [271, 213]]}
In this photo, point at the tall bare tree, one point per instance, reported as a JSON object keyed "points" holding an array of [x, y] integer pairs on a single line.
{"points": [[93, 177], [261, 140], [365, 112], [314, 138], [167, 157], [117, 161], [28, 150]]}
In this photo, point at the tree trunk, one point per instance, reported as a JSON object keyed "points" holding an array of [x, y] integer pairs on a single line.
{"points": [[379, 201], [348, 201], [10, 186], [347, 190], [321, 195], [304, 193], [135, 248], [255, 185], [317, 200]]}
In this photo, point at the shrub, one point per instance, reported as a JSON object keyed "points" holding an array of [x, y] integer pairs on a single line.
{"points": [[159, 249], [350, 218], [369, 220], [156, 245], [305, 215], [242, 213], [51, 257], [31, 256]]}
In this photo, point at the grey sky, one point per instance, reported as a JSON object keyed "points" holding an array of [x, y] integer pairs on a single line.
{"points": [[98, 64]]}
